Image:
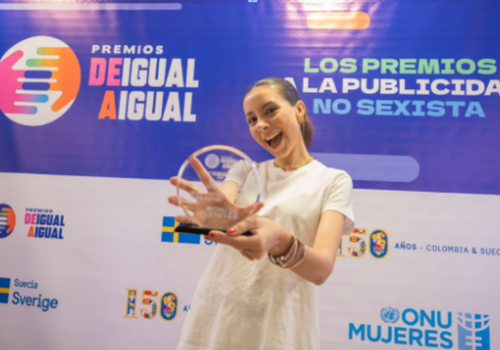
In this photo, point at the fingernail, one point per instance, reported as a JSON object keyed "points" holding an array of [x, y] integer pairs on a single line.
{"points": [[207, 238], [211, 234], [231, 231]]}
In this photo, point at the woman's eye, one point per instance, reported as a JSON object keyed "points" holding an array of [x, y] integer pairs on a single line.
{"points": [[271, 110], [252, 120]]}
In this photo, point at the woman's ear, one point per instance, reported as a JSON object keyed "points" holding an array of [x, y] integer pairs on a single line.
{"points": [[300, 111]]}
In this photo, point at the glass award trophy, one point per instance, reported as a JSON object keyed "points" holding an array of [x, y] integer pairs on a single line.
{"points": [[198, 189]]}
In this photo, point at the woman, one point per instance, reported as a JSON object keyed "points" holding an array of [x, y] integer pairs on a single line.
{"points": [[245, 304]]}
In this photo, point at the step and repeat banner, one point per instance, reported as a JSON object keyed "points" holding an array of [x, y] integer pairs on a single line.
{"points": [[101, 102]]}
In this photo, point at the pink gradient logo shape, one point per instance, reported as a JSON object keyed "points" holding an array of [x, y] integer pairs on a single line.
{"points": [[39, 80], [7, 220]]}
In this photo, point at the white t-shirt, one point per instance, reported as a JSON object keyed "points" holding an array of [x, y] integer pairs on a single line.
{"points": [[254, 305]]}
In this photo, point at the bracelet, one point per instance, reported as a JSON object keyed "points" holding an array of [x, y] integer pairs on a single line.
{"points": [[293, 257], [285, 258], [302, 256]]}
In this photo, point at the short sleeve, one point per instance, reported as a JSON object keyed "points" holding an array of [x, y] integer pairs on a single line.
{"points": [[239, 172], [339, 198]]}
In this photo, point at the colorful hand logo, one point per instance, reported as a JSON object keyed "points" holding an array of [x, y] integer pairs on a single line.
{"points": [[67, 74], [11, 84], [64, 75], [7, 220]]}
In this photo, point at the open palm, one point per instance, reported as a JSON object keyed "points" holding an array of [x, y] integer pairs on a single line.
{"points": [[210, 208]]}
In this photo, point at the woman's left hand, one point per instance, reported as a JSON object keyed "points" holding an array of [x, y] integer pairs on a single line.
{"points": [[267, 236]]}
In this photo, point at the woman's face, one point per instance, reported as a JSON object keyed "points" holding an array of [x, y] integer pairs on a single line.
{"points": [[273, 122]]}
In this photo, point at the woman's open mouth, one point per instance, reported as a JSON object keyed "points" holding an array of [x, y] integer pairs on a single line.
{"points": [[274, 140]]}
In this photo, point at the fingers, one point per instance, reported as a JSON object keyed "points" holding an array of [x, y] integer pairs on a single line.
{"points": [[185, 185], [174, 200], [244, 226], [247, 255], [31, 98], [250, 243], [250, 247], [203, 174], [256, 208], [181, 219], [9, 61]]}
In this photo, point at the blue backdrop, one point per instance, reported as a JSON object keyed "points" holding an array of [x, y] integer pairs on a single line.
{"points": [[236, 43]]}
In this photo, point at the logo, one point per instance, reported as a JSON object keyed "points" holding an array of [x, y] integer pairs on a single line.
{"points": [[360, 241], [168, 304], [132, 294], [161, 76], [389, 315], [148, 300], [473, 332], [39, 80], [426, 328], [18, 299], [379, 244], [168, 234], [44, 223], [357, 245], [212, 161], [4, 290], [7, 220]]}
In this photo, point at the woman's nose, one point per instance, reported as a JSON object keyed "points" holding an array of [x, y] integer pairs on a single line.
{"points": [[262, 125]]}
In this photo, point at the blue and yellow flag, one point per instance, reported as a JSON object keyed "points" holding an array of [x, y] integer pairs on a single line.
{"points": [[4, 290], [168, 234]]}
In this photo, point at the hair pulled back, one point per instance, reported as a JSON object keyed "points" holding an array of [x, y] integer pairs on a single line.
{"points": [[291, 95]]}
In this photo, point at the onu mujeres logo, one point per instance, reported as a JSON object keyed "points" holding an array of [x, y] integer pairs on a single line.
{"points": [[473, 331], [426, 328], [39, 80]]}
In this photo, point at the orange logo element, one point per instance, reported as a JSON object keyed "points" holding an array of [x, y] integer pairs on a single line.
{"points": [[338, 21]]}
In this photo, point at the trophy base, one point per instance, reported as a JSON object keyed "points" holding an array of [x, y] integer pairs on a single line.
{"points": [[199, 230]]}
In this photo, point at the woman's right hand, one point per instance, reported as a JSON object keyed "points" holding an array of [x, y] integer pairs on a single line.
{"points": [[211, 208], [267, 237]]}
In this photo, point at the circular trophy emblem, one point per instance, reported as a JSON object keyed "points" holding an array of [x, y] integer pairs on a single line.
{"points": [[212, 161]]}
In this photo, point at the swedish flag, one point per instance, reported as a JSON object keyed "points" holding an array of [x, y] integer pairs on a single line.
{"points": [[4, 290], [168, 234]]}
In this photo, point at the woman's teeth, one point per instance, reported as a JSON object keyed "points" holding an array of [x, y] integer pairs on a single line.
{"points": [[274, 140], [272, 137]]}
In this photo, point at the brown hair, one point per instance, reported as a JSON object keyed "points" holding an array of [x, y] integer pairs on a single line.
{"points": [[291, 95]]}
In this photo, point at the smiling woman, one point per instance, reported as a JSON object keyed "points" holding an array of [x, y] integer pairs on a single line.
{"points": [[243, 301], [276, 90]]}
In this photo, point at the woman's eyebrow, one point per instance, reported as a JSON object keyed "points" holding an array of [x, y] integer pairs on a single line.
{"points": [[265, 104], [262, 108]]}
